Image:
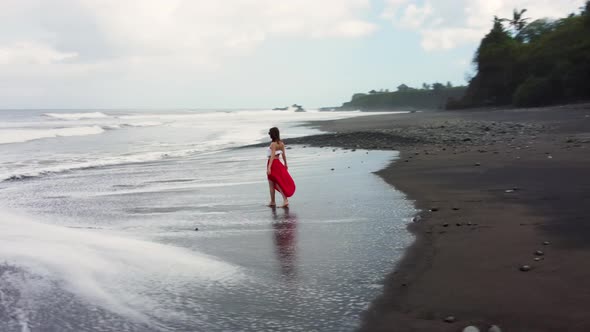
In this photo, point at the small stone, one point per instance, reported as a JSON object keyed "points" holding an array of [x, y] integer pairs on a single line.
{"points": [[494, 328], [434, 209], [197, 228], [456, 209], [353, 150], [538, 259], [469, 224], [459, 224], [525, 268], [546, 243], [331, 169], [471, 329], [509, 191], [549, 157], [416, 219], [333, 150], [477, 164], [539, 253], [450, 319], [445, 225]]}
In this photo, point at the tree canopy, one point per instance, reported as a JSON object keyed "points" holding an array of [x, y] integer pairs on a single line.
{"points": [[531, 64]]}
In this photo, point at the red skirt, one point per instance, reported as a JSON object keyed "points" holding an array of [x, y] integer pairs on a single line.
{"points": [[281, 178]]}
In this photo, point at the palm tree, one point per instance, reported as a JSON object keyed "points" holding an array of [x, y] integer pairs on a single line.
{"points": [[517, 22]]}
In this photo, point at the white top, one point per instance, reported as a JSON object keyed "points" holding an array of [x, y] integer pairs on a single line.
{"points": [[269, 151]]}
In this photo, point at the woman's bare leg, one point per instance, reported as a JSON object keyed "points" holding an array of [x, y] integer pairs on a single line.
{"points": [[271, 186], [285, 199]]}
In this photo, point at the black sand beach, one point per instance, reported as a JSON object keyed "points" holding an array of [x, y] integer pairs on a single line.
{"points": [[495, 186]]}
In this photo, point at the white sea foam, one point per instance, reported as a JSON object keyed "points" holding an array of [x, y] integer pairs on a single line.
{"points": [[132, 124], [25, 173], [214, 131], [142, 124], [120, 274], [77, 116], [25, 135]]}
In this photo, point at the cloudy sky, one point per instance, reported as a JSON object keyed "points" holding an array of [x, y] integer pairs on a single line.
{"points": [[236, 53]]}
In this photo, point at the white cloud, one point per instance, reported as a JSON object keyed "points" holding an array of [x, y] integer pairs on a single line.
{"points": [[415, 16], [32, 53], [392, 7], [448, 38], [96, 49], [100, 30], [446, 25]]}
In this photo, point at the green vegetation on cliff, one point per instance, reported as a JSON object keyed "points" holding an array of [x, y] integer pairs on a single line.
{"points": [[531, 64], [433, 97]]}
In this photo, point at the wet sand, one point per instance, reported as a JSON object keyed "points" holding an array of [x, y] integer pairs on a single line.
{"points": [[501, 185]]}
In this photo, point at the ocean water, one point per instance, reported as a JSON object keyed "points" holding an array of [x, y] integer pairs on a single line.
{"points": [[98, 211]]}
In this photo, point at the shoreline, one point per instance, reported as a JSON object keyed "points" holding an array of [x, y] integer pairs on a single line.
{"points": [[493, 178]]}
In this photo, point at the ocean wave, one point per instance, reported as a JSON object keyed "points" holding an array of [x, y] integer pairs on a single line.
{"points": [[142, 124], [25, 135], [108, 270], [132, 125], [90, 164], [76, 116]]}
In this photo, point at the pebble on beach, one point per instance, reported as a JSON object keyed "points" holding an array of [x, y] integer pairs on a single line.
{"points": [[494, 328], [539, 253], [525, 268], [471, 329], [450, 319], [546, 243], [197, 228]]}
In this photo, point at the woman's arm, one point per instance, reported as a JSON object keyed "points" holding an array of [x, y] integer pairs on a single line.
{"points": [[284, 155], [273, 149]]}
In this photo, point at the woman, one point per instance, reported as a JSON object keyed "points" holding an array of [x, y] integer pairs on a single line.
{"points": [[277, 174]]}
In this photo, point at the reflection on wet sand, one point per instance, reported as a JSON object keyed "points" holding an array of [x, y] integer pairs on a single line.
{"points": [[284, 225]]}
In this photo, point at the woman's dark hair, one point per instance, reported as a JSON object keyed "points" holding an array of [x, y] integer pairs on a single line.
{"points": [[274, 134]]}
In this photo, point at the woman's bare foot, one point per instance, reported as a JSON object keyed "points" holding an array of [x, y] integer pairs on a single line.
{"points": [[272, 204], [285, 204]]}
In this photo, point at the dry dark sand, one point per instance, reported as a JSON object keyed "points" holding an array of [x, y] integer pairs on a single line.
{"points": [[504, 182]]}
